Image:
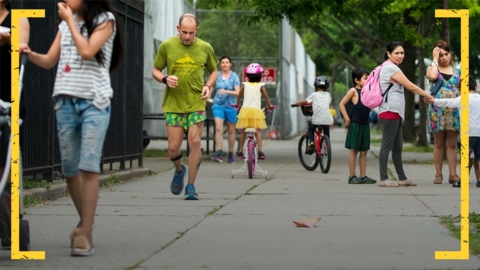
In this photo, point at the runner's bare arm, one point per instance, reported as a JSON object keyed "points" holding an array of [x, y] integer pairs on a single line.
{"points": [[172, 80], [212, 78]]}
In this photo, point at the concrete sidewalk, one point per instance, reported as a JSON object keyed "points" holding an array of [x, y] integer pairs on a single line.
{"points": [[243, 223]]}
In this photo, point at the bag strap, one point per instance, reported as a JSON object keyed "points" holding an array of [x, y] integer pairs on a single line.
{"points": [[390, 86], [384, 95], [445, 81]]}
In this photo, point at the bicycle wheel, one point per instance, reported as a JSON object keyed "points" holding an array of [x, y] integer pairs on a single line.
{"points": [[309, 162], [326, 156], [251, 158]]}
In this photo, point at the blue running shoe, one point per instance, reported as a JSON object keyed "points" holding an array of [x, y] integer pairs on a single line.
{"points": [[218, 158], [177, 182], [231, 160], [190, 193]]}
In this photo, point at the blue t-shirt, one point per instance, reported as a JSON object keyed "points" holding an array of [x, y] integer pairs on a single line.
{"points": [[226, 100]]}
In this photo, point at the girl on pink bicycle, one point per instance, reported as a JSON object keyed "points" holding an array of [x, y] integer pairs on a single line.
{"points": [[251, 114]]}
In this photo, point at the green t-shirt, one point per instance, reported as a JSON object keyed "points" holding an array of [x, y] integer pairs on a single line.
{"points": [[188, 64]]}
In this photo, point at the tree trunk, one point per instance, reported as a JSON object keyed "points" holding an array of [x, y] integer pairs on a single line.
{"points": [[332, 81], [422, 106], [408, 68], [445, 24]]}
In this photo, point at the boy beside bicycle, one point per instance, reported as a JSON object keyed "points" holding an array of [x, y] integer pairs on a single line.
{"points": [[358, 136]]}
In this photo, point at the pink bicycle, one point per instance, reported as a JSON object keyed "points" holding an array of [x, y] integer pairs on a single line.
{"points": [[251, 152]]}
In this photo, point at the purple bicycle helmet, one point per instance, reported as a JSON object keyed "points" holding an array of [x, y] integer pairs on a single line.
{"points": [[254, 70]]}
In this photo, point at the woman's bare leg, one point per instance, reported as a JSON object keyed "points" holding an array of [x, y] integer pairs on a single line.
{"points": [[438, 148], [451, 144], [219, 133]]}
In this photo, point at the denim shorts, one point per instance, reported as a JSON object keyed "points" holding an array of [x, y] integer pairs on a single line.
{"points": [[228, 114], [81, 131], [474, 146]]}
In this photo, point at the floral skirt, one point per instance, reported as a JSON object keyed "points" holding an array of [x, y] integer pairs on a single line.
{"points": [[442, 118]]}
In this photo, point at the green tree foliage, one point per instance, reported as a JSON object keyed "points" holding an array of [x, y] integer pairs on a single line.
{"points": [[228, 37], [474, 38], [354, 33]]}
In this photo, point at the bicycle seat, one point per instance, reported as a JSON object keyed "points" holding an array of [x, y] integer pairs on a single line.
{"points": [[250, 130]]}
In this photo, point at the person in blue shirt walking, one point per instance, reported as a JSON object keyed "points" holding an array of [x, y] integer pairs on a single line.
{"points": [[228, 88]]}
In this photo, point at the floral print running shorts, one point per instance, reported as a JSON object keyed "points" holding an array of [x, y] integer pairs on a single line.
{"points": [[185, 120]]}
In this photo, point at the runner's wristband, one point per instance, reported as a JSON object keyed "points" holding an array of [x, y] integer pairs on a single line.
{"points": [[164, 80]]}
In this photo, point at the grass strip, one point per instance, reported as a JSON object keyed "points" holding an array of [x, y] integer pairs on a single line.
{"points": [[451, 222]]}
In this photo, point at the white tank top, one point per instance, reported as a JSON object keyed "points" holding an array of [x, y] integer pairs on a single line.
{"points": [[252, 97]]}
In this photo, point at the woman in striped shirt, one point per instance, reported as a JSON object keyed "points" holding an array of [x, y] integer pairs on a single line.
{"points": [[87, 48]]}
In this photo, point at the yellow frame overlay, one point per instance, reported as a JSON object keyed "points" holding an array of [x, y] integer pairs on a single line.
{"points": [[16, 254], [464, 252]]}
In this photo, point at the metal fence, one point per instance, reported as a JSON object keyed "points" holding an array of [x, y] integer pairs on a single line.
{"points": [[297, 72], [123, 141]]}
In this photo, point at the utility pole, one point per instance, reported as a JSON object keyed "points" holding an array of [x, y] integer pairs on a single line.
{"points": [[346, 78]]}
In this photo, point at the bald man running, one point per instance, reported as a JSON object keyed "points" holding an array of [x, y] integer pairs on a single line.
{"points": [[185, 57]]}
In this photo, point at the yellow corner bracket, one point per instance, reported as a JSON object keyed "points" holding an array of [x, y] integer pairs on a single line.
{"points": [[16, 254], [464, 252]]}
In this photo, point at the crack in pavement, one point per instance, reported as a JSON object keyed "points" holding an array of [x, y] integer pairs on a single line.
{"points": [[137, 265]]}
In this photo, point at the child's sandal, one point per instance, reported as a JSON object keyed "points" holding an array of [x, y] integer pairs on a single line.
{"points": [[355, 180], [368, 180], [453, 178], [456, 184], [261, 155], [240, 155]]}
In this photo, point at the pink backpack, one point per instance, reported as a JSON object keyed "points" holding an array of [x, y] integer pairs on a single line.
{"points": [[371, 95]]}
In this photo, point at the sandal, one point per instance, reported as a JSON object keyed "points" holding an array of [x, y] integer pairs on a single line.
{"points": [[261, 155], [81, 247], [240, 154], [388, 183], [453, 178], [368, 180], [438, 179], [76, 232], [408, 184], [458, 184], [355, 180]]}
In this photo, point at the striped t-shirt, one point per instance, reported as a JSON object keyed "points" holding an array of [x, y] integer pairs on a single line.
{"points": [[84, 78]]}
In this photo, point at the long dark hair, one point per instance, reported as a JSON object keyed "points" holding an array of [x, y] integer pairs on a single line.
{"points": [[6, 3], [391, 47], [92, 9]]}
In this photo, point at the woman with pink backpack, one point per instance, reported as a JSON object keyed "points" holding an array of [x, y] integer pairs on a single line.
{"points": [[392, 111]]}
